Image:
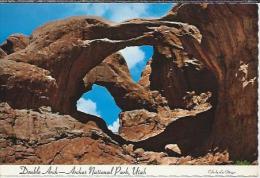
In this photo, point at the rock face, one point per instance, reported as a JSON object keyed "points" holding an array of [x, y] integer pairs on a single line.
{"points": [[229, 50], [195, 103], [43, 137], [113, 74], [24, 85], [146, 113], [145, 76], [30, 137], [14, 43]]}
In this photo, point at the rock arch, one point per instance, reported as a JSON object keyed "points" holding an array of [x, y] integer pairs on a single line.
{"points": [[72, 51], [50, 70]]}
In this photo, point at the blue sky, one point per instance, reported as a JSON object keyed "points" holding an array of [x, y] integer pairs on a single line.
{"points": [[24, 18]]}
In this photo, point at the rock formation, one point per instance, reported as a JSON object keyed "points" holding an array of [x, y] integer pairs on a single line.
{"points": [[203, 71], [30, 137], [14, 43], [229, 50], [113, 74]]}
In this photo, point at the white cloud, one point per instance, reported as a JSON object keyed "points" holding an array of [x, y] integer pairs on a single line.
{"points": [[115, 11], [96, 9], [129, 11], [87, 106], [133, 55], [115, 126]]}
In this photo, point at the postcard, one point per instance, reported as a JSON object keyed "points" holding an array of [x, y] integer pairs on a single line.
{"points": [[129, 89]]}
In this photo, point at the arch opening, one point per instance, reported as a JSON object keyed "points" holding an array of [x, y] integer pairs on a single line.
{"points": [[99, 102], [136, 58]]}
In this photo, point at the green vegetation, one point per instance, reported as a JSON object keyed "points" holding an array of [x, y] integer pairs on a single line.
{"points": [[242, 162]]}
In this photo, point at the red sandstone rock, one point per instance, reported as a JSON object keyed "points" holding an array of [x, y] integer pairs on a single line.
{"points": [[14, 43], [214, 52], [229, 50], [113, 74], [145, 77], [29, 137]]}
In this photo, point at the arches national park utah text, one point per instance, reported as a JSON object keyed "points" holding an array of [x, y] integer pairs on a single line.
{"points": [[88, 171], [129, 86]]}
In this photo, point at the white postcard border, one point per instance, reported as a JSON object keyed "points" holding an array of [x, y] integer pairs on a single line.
{"points": [[124, 171], [13, 171]]}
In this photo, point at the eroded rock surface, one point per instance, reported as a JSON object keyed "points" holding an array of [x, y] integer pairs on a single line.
{"points": [[14, 43], [31, 137], [113, 74], [229, 50], [43, 137], [198, 92]]}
